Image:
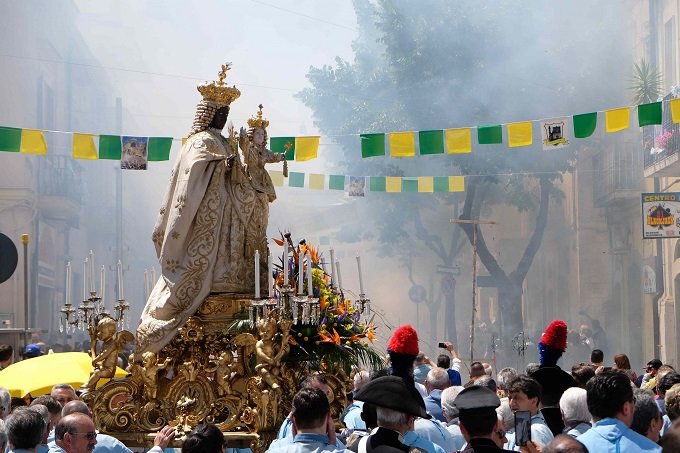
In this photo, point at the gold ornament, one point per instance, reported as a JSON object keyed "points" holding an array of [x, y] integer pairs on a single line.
{"points": [[258, 121], [219, 92]]}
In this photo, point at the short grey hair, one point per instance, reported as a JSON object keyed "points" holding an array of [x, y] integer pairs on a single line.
{"points": [[43, 411], [574, 405], [25, 428], [645, 411], [390, 418], [448, 397], [5, 402], [438, 378], [361, 379], [504, 376], [505, 413], [3, 436]]}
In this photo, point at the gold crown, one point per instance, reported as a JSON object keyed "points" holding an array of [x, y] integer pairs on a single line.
{"points": [[219, 92], [258, 121]]}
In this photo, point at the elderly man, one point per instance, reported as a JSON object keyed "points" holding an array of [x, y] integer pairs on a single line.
{"points": [[397, 406], [5, 403], [450, 412], [437, 380], [312, 421], [63, 393], [352, 415], [646, 415], [612, 405], [574, 408], [564, 444], [24, 430], [45, 414], [75, 433], [3, 436]]}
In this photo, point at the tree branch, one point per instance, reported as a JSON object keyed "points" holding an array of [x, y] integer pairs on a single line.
{"points": [[433, 242]]}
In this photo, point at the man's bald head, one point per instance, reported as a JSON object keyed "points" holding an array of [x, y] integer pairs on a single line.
{"points": [[565, 444], [76, 407]]}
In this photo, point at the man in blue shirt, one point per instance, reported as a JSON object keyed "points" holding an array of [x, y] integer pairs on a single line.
{"points": [[524, 394], [612, 405], [312, 424], [437, 380]]}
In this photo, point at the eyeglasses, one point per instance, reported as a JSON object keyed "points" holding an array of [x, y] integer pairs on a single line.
{"points": [[89, 435], [500, 434]]}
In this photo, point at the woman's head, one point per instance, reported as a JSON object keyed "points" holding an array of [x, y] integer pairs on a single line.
{"points": [[621, 362], [205, 438]]}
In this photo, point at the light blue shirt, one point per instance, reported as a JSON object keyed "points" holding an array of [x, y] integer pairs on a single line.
{"points": [[577, 430], [105, 444], [612, 435], [454, 430], [540, 433], [286, 433], [435, 432], [352, 416], [304, 443], [666, 424]]}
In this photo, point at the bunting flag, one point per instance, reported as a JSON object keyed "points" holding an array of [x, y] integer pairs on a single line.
{"points": [[306, 148], [159, 148], [277, 177], [490, 135], [649, 114], [336, 182], [372, 145], [284, 145], [377, 183], [585, 124], [357, 186], [110, 147], [393, 184], [10, 139], [317, 182], [458, 141], [83, 147], [520, 134], [135, 154], [409, 185], [296, 179], [402, 144], [25, 141], [554, 133], [425, 184], [431, 142], [616, 120], [675, 110]]}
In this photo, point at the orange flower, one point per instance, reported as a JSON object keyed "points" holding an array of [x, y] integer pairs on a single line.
{"points": [[370, 332], [323, 303], [335, 338]]}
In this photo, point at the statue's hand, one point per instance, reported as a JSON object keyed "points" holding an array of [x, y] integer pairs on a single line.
{"points": [[243, 141], [230, 161]]}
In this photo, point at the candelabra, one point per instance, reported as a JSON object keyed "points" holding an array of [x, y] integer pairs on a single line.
{"points": [[364, 305], [86, 316]]}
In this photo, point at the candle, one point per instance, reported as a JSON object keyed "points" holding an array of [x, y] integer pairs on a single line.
{"points": [[332, 268], [91, 282], [85, 278], [270, 275], [337, 269], [102, 282], [285, 264], [361, 280], [68, 282], [257, 274], [310, 292], [301, 274], [153, 277], [120, 281], [146, 284]]}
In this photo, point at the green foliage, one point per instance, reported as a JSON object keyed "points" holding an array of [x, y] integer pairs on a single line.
{"points": [[646, 84]]}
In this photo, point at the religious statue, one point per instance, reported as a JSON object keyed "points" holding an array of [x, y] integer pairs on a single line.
{"points": [[210, 224], [113, 343], [270, 349], [149, 374]]}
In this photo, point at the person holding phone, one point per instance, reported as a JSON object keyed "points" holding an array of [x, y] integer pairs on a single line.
{"points": [[478, 421], [524, 394]]}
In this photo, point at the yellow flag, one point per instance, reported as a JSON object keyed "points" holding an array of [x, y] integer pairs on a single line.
{"points": [[425, 184], [277, 177], [617, 119], [83, 147], [316, 181], [306, 148], [458, 141], [456, 184], [33, 142], [184, 140], [675, 110], [393, 184], [402, 144], [520, 134]]}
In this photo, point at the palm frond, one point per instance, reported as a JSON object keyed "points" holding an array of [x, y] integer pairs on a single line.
{"points": [[646, 83]]}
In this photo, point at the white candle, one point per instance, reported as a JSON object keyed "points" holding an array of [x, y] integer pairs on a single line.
{"points": [[102, 283], [337, 269], [85, 278], [285, 264], [270, 275], [153, 277], [310, 291], [146, 284], [361, 280], [333, 268], [93, 289], [68, 282], [121, 293], [257, 274], [301, 274]]}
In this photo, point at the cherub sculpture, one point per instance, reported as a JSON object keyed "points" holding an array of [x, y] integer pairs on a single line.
{"points": [[270, 350], [150, 374], [223, 373], [113, 343]]}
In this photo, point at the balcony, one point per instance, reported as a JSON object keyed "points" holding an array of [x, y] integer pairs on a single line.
{"points": [[661, 145], [60, 188], [619, 177]]}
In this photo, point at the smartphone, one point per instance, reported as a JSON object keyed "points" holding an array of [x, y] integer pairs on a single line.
{"points": [[522, 427], [442, 345]]}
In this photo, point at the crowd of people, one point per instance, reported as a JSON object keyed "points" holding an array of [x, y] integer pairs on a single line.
{"points": [[418, 404]]}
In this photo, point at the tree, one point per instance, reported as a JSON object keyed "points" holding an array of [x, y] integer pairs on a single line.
{"points": [[434, 64]]}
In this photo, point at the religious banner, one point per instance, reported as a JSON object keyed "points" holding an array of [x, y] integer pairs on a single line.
{"points": [[134, 156], [554, 133], [357, 186], [660, 215]]}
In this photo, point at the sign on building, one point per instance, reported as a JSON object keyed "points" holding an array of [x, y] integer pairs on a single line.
{"points": [[660, 215]]}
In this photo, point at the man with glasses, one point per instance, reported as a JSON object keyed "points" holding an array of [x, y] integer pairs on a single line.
{"points": [[75, 433], [612, 405], [104, 442]]}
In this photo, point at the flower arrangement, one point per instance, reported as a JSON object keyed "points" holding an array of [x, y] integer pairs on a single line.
{"points": [[662, 140], [342, 336]]}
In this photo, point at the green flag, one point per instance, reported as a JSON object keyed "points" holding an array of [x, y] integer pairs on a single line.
{"points": [[409, 185], [649, 114], [372, 145], [284, 145], [10, 139], [296, 179], [431, 142], [110, 147], [490, 135], [377, 184], [441, 183], [159, 148], [336, 182], [584, 124]]}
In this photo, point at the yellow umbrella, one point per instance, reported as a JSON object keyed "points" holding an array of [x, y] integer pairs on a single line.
{"points": [[38, 375]]}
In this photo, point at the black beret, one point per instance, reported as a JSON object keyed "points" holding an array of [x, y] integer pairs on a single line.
{"points": [[476, 398], [394, 393]]}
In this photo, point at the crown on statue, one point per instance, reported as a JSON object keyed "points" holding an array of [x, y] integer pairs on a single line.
{"points": [[258, 121], [219, 92]]}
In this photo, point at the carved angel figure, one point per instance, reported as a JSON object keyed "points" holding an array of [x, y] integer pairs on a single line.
{"points": [[113, 343], [270, 352], [150, 374]]}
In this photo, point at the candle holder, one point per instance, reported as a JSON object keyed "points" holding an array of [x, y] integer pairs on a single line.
{"points": [[364, 305], [90, 311]]}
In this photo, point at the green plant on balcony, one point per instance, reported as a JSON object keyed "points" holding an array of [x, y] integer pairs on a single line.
{"points": [[646, 83]]}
